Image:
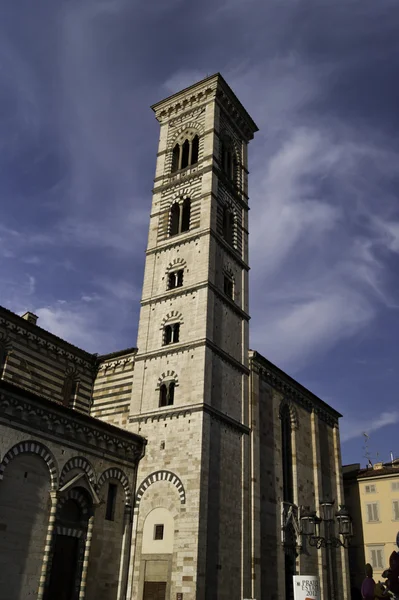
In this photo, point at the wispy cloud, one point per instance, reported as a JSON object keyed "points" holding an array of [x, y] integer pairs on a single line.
{"points": [[354, 427]]}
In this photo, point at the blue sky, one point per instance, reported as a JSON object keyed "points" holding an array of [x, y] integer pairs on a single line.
{"points": [[77, 157]]}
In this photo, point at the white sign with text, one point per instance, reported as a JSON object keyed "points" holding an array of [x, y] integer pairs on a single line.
{"points": [[306, 587]]}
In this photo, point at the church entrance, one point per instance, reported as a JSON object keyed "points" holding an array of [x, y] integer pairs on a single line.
{"points": [[154, 590], [64, 568]]}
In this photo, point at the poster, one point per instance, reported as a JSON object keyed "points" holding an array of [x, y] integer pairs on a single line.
{"points": [[306, 587]]}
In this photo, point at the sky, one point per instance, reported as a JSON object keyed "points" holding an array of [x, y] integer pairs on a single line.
{"points": [[78, 144]]}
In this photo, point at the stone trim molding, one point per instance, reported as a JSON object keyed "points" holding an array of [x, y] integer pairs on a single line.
{"points": [[173, 317], [187, 131], [167, 376], [81, 463], [293, 413], [32, 447], [177, 263], [115, 473], [160, 476], [69, 531]]}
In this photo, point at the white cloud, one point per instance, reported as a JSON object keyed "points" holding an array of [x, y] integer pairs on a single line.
{"points": [[353, 427]]}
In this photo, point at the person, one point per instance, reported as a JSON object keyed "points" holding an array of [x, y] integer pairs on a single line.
{"points": [[368, 585]]}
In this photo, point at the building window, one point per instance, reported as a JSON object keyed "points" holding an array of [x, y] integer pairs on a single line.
{"points": [[377, 557], [180, 217], [228, 286], [185, 154], [228, 159], [167, 393], [171, 334], [372, 512], [395, 486], [370, 489], [395, 506], [70, 391], [228, 225], [175, 279], [286, 448], [111, 501], [158, 532]]}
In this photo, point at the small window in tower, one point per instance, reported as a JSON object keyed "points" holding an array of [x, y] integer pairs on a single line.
{"points": [[185, 154], [228, 286], [175, 219], [158, 532], [167, 335], [195, 150], [111, 501], [175, 279], [228, 225], [163, 395], [176, 332], [185, 221], [167, 393], [175, 158]]}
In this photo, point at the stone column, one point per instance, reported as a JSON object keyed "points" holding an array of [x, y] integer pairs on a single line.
{"points": [[125, 554], [46, 564], [320, 554], [83, 580]]}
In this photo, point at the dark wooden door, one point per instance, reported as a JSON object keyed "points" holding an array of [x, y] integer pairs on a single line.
{"points": [[63, 568], [154, 590]]}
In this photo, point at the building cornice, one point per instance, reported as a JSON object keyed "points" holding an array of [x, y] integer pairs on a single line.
{"points": [[291, 389], [22, 409], [171, 412]]}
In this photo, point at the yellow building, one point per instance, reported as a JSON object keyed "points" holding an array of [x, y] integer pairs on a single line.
{"points": [[372, 497]]}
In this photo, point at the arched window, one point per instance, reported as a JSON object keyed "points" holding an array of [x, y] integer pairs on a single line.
{"points": [[286, 449], [228, 225], [171, 334], [228, 159], [180, 217], [185, 153], [70, 391], [175, 279], [167, 393], [175, 158]]}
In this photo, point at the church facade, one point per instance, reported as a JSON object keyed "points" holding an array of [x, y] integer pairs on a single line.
{"points": [[226, 445]]}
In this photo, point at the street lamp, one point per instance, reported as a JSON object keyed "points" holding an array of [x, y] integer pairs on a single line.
{"points": [[311, 523]]}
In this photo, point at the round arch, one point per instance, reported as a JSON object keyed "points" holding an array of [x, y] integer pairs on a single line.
{"points": [[160, 476], [286, 405], [115, 473], [32, 447], [78, 462]]}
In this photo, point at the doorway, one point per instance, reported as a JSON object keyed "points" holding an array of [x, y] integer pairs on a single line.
{"points": [[64, 568], [154, 590]]}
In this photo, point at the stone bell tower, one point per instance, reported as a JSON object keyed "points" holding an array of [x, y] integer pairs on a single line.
{"points": [[190, 390]]}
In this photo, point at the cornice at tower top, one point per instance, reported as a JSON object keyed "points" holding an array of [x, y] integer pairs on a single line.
{"points": [[205, 90]]}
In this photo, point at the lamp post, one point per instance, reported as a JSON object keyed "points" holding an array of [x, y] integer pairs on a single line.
{"points": [[311, 530]]}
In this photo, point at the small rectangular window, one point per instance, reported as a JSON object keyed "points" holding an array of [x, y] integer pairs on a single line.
{"points": [[395, 486], [395, 505], [372, 512], [370, 489], [377, 557], [175, 279], [158, 532], [111, 501], [228, 287]]}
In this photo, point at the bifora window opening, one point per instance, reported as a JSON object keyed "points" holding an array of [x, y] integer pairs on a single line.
{"points": [[185, 154], [158, 532], [167, 393], [180, 217], [171, 334], [228, 225], [228, 286], [175, 279], [228, 160], [111, 501]]}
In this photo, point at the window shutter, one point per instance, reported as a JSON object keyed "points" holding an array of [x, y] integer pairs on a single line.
{"points": [[375, 512], [396, 510], [379, 559], [369, 512]]}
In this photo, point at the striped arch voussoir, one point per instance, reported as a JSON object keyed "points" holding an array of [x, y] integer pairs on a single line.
{"points": [[81, 463], [293, 413], [188, 131], [79, 499], [174, 317], [167, 376], [115, 473], [32, 447], [160, 476], [183, 193], [177, 263]]}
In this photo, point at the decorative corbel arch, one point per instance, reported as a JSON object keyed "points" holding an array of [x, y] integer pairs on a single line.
{"points": [[81, 463], [160, 476], [37, 448], [167, 376], [292, 411], [173, 317], [116, 473]]}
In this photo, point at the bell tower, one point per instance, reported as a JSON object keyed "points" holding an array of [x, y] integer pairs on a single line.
{"points": [[190, 390]]}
